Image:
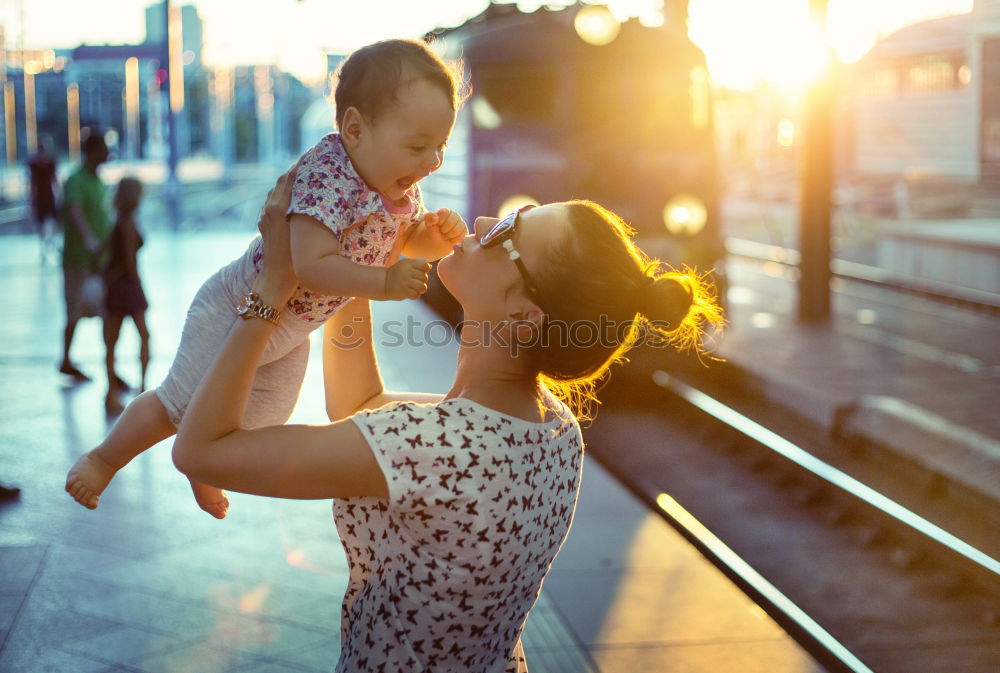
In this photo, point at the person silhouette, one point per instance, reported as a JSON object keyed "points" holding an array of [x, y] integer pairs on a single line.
{"points": [[86, 225], [43, 183]]}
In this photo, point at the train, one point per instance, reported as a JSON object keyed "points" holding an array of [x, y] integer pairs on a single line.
{"points": [[570, 103]]}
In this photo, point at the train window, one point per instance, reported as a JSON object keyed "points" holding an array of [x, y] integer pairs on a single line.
{"points": [[519, 93]]}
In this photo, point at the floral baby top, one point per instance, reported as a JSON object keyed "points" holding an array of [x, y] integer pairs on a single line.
{"points": [[444, 572], [328, 188]]}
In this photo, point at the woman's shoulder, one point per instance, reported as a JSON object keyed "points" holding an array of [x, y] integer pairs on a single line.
{"points": [[408, 410], [465, 414], [552, 414]]}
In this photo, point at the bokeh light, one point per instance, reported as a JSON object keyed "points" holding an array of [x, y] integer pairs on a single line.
{"points": [[685, 215], [596, 25], [512, 203]]}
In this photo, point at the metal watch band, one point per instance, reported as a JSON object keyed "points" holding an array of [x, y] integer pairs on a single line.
{"points": [[253, 307]]}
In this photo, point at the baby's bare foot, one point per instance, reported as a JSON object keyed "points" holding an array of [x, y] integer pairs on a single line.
{"points": [[88, 478], [211, 499]]}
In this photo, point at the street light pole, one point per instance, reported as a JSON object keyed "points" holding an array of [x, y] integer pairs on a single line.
{"points": [[224, 118], [132, 108], [173, 60], [10, 116], [816, 185], [73, 120], [3, 112], [30, 118]]}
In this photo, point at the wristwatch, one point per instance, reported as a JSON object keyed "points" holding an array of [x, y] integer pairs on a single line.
{"points": [[252, 307]]}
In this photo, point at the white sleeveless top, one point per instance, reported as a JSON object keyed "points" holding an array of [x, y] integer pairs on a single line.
{"points": [[444, 572]]}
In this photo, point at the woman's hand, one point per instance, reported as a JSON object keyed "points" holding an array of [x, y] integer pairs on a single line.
{"points": [[277, 280]]}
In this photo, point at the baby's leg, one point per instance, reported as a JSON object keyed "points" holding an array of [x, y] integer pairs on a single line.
{"points": [[276, 389], [208, 321], [143, 424]]}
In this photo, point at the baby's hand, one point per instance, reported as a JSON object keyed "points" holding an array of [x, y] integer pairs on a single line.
{"points": [[406, 279], [446, 227]]}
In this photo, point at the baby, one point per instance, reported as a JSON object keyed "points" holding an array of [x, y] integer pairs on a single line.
{"points": [[396, 102]]}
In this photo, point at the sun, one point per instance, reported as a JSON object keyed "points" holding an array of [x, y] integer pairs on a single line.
{"points": [[779, 42], [769, 40]]}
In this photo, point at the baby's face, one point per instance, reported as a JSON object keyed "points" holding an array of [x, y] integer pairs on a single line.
{"points": [[407, 141]]}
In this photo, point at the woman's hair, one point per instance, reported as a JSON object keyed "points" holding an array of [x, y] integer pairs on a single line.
{"points": [[601, 294], [370, 77], [127, 195]]}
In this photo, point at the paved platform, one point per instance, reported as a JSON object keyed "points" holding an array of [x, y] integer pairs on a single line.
{"points": [[915, 376], [148, 583]]}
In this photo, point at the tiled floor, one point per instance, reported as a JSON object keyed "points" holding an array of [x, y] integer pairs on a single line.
{"points": [[148, 583]]}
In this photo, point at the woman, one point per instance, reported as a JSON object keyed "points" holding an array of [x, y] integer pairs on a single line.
{"points": [[451, 508]]}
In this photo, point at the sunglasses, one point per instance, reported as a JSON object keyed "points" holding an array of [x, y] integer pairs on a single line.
{"points": [[503, 233]]}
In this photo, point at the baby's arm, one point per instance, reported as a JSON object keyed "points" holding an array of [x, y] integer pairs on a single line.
{"points": [[434, 236], [320, 268]]}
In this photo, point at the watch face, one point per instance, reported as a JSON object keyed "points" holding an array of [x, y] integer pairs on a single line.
{"points": [[243, 306]]}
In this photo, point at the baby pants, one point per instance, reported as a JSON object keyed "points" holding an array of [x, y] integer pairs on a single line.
{"points": [[209, 319]]}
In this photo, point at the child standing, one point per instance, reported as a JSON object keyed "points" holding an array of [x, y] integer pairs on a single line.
{"points": [[123, 295], [396, 102]]}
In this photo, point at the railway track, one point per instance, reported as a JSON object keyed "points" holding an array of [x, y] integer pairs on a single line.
{"points": [[867, 572]]}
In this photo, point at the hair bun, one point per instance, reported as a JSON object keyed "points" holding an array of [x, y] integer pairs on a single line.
{"points": [[663, 299]]}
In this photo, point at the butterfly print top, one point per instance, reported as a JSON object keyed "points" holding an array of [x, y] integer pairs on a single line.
{"points": [[444, 572], [328, 188]]}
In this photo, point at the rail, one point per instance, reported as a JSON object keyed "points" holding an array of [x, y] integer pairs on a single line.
{"points": [[865, 273], [824, 471], [823, 646]]}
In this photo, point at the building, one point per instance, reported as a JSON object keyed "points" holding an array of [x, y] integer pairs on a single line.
{"points": [[246, 113], [923, 112]]}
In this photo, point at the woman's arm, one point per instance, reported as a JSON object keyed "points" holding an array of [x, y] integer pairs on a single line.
{"points": [[281, 461], [350, 371]]}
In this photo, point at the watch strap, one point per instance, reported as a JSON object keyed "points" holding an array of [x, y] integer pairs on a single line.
{"points": [[252, 307]]}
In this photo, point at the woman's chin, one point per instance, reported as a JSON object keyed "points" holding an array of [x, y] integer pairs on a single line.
{"points": [[444, 271], [446, 274]]}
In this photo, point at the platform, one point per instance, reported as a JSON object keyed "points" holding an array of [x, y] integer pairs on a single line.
{"points": [[148, 583], [915, 376]]}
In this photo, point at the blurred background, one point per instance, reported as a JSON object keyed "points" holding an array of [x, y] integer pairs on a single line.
{"points": [[691, 118], [833, 166]]}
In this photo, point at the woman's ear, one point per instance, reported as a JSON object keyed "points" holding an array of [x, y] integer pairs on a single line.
{"points": [[525, 325], [352, 128], [531, 314]]}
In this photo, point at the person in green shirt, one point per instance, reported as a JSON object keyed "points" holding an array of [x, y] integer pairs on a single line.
{"points": [[86, 224]]}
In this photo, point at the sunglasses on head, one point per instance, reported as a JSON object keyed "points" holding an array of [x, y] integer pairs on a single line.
{"points": [[502, 233]]}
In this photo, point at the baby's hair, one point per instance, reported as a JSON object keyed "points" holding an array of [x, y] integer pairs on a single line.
{"points": [[370, 77], [127, 195]]}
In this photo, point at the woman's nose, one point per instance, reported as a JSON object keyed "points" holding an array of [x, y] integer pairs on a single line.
{"points": [[481, 225]]}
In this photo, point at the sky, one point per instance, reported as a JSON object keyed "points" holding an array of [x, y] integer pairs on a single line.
{"points": [[744, 40]]}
